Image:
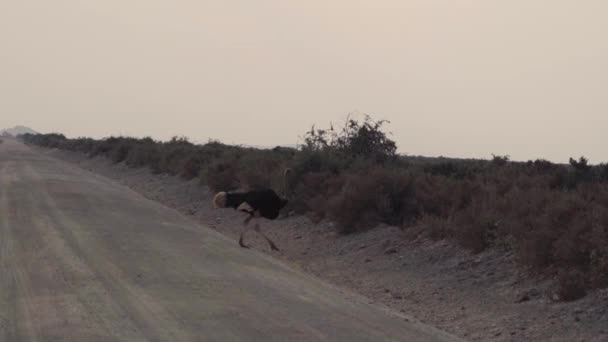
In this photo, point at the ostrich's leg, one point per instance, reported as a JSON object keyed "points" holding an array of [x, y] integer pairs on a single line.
{"points": [[270, 242], [245, 229]]}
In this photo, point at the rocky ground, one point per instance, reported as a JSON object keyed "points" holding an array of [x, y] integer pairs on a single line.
{"points": [[478, 297]]}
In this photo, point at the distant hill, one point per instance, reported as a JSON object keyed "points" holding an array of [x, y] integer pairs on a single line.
{"points": [[17, 130]]}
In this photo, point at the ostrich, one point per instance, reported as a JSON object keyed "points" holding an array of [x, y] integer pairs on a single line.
{"points": [[263, 203]]}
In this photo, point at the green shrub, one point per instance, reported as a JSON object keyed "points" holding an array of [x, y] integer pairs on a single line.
{"points": [[500, 160], [356, 139]]}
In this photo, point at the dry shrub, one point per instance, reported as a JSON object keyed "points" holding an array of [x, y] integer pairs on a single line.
{"points": [[120, 151], [312, 191], [316, 175], [222, 176], [83, 145], [535, 250], [435, 195], [531, 239], [568, 220], [570, 285], [466, 207], [174, 155], [261, 170], [598, 270], [475, 227], [191, 167], [254, 178], [598, 273], [51, 140], [144, 153], [103, 148], [380, 195], [428, 226], [245, 169]]}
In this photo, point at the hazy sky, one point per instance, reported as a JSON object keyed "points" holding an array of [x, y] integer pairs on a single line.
{"points": [[527, 78]]}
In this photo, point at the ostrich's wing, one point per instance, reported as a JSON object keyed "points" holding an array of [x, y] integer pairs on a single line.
{"points": [[246, 208]]}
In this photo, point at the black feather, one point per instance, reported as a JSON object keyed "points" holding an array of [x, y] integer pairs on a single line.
{"points": [[266, 202]]}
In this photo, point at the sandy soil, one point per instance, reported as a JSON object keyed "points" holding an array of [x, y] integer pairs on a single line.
{"points": [[477, 297]]}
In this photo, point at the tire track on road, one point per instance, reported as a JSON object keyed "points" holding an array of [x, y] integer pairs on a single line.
{"points": [[68, 294], [16, 291], [150, 318]]}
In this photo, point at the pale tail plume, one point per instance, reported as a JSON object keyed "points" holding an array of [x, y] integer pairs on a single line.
{"points": [[219, 201]]}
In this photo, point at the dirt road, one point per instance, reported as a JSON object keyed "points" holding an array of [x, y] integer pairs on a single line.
{"points": [[85, 259]]}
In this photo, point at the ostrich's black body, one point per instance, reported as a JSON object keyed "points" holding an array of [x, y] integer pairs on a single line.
{"points": [[265, 203]]}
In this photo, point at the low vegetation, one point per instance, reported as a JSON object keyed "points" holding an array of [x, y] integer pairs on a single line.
{"points": [[553, 217]]}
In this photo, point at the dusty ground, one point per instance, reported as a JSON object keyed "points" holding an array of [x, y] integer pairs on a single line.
{"points": [[84, 258], [477, 297]]}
